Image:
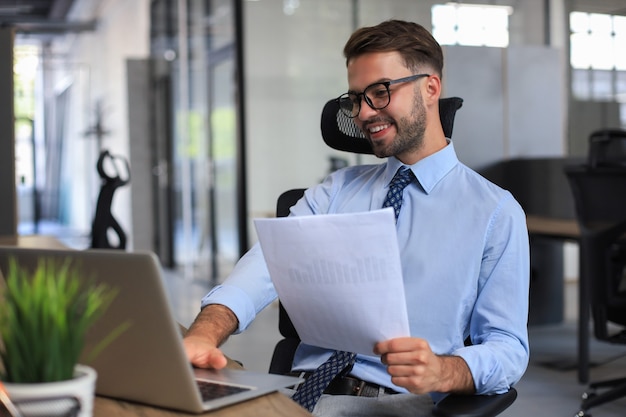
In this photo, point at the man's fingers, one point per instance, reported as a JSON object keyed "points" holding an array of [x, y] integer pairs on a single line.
{"points": [[202, 354], [400, 344]]}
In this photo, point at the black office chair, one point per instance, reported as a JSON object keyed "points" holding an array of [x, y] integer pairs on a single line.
{"points": [[599, 190], [607, 147], [339, 132]]}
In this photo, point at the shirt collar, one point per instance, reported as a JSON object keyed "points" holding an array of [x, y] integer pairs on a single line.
{"points": [[428, 171]]}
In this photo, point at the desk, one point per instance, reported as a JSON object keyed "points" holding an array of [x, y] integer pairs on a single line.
{"points": [[270, 405], [547, 297], [32, 241], [273, 404], [563, 229], [568, 230]]}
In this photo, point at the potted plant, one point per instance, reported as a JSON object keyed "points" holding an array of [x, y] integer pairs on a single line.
{"points": [[44, 316]]}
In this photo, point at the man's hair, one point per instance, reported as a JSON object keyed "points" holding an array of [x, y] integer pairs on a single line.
{"points": [[415, 44]]}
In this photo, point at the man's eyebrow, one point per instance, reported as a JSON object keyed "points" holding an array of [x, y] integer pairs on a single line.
{"points": [[380, 81]]}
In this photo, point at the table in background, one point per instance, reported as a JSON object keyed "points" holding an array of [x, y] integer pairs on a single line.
{"points": [[32, 241], [551, 227], [569, 230]]}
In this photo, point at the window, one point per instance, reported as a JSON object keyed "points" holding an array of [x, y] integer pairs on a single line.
{"points": [[598, 41], [597, 45], [471, 24]]}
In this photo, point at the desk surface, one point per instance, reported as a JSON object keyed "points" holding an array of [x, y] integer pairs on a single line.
{"points": [[270, 405], [274, 404], [553, 227], [32, 241]]}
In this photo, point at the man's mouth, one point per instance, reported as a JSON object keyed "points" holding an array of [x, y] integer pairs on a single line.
{"points": [[376, 129]]}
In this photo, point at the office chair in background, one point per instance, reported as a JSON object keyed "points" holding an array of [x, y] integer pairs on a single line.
{"points": [[339, 132], [607, 147], [599, 190]]}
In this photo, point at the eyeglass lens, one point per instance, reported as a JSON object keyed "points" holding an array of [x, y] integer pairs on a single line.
{"points": [[376, 96]]}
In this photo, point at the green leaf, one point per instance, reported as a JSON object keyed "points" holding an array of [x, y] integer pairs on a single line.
{"points": [[44, 317]]}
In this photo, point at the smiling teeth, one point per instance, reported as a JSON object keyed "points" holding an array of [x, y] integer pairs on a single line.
{"points": [[377, 128]]}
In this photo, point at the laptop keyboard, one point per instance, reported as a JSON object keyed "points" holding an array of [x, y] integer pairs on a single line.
{"points": [[213, 390]]}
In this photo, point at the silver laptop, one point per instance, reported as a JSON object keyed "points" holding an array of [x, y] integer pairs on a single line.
{"points": [[147, 362]]}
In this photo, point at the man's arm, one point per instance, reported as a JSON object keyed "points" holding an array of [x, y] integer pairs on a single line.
{"points": [[499, 352], [413, 365], [209, 330]]}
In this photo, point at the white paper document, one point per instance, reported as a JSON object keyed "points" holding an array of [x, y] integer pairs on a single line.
{"points": [[338, 276]]}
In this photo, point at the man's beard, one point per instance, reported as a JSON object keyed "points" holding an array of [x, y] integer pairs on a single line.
{"points": [[410, 132]]}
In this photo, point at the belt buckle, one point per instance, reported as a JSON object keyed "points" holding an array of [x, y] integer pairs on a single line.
{"points": [[358, 389]]}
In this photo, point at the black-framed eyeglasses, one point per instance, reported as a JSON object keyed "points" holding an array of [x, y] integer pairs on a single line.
{"points": [[376, 95]]}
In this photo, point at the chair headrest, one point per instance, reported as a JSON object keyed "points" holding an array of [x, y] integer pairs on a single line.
{"points": [[607, 147], [339, 131]]}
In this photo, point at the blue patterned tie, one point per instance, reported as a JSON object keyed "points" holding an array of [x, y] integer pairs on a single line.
{"points": [[311, 390], [403, 177]]}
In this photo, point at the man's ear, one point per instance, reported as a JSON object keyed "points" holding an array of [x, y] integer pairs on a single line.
{"points": [[433, 90]]}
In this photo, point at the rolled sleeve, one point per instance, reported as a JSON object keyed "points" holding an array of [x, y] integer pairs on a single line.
{"points": [[244, 295], [493, 371], [235, 299]]}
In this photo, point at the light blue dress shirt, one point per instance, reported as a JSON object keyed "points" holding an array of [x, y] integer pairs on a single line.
{"points": [[465, 262]]}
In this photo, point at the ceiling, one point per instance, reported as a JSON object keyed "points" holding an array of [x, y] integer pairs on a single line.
{"points": [[49, 17], [46, 17], [614, 7], [33, 10]]}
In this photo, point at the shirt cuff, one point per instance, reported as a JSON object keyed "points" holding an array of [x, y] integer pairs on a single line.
{"points": [[235, 299], [488, 376]]}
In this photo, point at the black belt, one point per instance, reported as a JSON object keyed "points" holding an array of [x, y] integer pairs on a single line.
{"points": [[348, 385]]}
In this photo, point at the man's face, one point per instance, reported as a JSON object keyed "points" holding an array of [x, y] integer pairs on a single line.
{"points": [[398, 129]]}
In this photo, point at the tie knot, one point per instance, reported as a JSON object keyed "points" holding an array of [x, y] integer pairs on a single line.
{"points": [[403, 177]]}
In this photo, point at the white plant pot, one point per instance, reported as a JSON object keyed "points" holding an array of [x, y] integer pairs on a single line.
{"points": [[52, 399]]}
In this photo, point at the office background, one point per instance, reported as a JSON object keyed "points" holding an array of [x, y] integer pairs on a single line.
{"points": [[216, 106]]}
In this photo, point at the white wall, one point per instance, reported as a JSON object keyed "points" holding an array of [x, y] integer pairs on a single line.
{"points": [[294, 65], [513, 106], [476, 75]]}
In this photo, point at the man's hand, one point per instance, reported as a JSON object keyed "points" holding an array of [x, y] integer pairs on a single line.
{"points": [[203, 354], [209, 330], [413, 365]]}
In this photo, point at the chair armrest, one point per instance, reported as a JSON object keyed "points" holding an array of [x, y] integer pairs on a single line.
{"points": [[455, 405], [283, 356]]}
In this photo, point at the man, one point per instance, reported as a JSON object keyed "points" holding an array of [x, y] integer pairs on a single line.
{"points": [[463, 244]]}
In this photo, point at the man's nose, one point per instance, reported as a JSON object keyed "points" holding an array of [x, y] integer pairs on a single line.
{"points": [[366, 110]]}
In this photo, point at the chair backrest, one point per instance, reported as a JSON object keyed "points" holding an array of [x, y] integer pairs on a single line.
{"points": [[339, 131], [600, 201], [607, 147]]}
